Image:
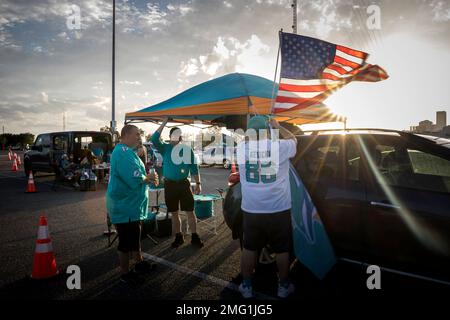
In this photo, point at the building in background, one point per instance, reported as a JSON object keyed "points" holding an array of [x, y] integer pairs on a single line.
{"points": [[440, 129], [441, 119]]}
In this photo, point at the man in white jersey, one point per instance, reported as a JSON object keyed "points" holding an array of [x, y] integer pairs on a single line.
{"points": [[266, 198]]}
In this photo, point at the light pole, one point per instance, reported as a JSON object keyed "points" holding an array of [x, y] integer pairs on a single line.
{"points": [[294, 16], [113, 97]]}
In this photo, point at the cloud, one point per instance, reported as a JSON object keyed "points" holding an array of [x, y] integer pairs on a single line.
{"points": [[441, 11], [132, 83], [227, 55], [189, 68], [43, 114], [44, 97], [165, 46], [130, 18], [227, 4], [94, 14], [157, 76], [182, 9], [284, 3]]}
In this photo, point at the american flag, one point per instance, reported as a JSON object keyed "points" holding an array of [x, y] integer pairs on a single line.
{"points": [[311, 69]]}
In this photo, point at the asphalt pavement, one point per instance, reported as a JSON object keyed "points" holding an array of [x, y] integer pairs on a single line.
{"points": [[77, 221]]}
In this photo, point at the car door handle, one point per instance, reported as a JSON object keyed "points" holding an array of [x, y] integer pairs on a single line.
{"points": [[383, 204]]}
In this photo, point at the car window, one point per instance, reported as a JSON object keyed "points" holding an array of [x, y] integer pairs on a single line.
{"points": [[428, 168], [46, 143], [352, 161], [402, 166], [60, 142], [321, 159], [38, 141], [85, 142], [100, 139]]}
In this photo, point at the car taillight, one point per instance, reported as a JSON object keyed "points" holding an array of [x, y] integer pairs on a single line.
{"points": [[233, 178]]}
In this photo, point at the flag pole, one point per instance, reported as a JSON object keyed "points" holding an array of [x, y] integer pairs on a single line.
{"points": [[276, 71]]}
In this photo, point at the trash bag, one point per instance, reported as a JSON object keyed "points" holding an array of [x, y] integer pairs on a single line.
{"points": [[232, 211]]}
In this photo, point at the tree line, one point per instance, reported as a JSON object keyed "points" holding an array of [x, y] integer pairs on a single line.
{"points": [[11, 139]]}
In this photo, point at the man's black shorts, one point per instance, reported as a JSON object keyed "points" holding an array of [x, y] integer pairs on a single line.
{"points": [[129, 236], [274, 229], [178, 195]]}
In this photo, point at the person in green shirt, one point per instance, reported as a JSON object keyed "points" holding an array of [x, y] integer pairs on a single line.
{"points": [[178, 163], [127, 202]]}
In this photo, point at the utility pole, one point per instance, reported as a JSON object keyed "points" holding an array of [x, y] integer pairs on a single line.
{"points": [[64, 121], [113, 97], [294, 16]]}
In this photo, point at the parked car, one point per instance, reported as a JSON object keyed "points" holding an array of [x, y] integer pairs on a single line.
{"points": [[217, 155], [383, 196], [17, 147], [48, 148]]}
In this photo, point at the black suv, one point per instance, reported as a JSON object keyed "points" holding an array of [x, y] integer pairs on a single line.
{"points": [[383, 196], [48, 148]]}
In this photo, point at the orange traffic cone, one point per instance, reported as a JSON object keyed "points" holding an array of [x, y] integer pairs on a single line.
{"points": [[19, 162], [233, 168], [9, 155], [44, 264], [15, 156], [14, 165], [31, 188]]}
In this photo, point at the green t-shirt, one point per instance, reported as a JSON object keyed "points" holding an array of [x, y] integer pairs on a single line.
{"points": [[178, 161]]}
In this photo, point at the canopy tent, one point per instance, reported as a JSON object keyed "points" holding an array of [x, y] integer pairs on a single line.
{"points": [[225, 100]]}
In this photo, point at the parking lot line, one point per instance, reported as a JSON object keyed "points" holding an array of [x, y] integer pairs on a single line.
{"points": [[201, 275]]}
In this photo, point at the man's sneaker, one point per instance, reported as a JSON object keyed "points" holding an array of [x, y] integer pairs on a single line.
{"points": [[246, 291], [285, 290], [144, 267], [131, 278], [195, 241], [179, 240]]}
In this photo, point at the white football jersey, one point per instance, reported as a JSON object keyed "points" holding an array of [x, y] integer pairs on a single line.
{"points": [[264, 174]]}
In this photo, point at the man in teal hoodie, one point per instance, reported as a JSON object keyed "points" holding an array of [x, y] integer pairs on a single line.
{"points": [[127, 202]]}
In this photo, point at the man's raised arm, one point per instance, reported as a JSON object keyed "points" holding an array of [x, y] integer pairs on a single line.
{"points": [[285, 133], [155, 139]]}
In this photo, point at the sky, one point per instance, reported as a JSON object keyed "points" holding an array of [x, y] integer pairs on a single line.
{"points": [[165, 47]]}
